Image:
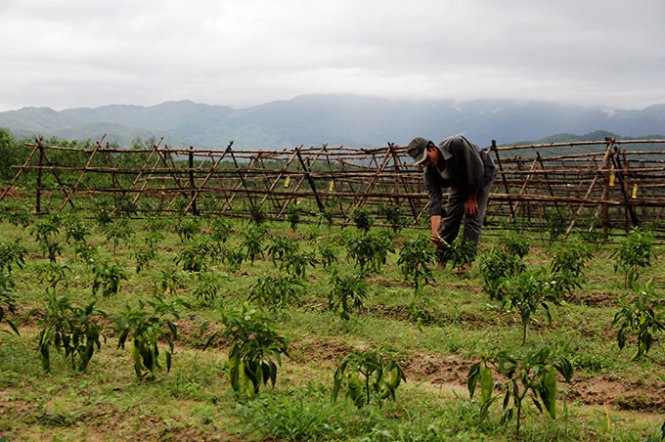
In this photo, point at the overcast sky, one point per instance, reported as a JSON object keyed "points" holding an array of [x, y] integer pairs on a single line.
{"points": [[74, 53]]}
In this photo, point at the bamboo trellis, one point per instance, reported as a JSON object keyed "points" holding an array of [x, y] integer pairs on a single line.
{"points": [[593, 185]]}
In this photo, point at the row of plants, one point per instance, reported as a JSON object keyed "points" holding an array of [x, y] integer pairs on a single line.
{"points": [[250, 332]]}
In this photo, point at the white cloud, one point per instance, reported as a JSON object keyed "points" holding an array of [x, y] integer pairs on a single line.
{"points": [[66, 53]]}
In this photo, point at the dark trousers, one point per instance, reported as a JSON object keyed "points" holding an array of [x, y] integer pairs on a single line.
{"points": [[473, 225]]}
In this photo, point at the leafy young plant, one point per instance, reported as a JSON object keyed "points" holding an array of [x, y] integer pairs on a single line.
{"points": [[220, 230], [257, 214], [367, 374], [515, 243], [11, 254], [275, 292], [461, 252], [194, 256], [53, 273], [362, 219], [348, 293], [17, 216], [526, 293], [233, 258], [47, 230], [157, 223], [75, 229], [495, 266], [281, 247], [640, 316], [208, 290], [634, 253], [45, 233], [255, 352], [567, 268], [103, 217], [85, 252], [293, 217], [143, 256], [145, 329], [107, 278], [394, 215], [118, 231], [296, 264], [187, 227], [414, 261], [171, 280], [370, 251], [71, 330], [533, 374], [556, 223], [7, 302], [328, 255], [253, 241]]}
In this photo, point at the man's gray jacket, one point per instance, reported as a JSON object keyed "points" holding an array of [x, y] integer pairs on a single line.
{"points": [[467, 168]]}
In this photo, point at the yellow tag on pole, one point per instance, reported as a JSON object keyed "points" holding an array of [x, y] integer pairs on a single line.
{"points": [[634, 194], [287, 181], [611, 179]]}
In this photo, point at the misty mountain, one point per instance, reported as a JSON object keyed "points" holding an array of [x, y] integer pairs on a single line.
{"points": [[349, 120]]}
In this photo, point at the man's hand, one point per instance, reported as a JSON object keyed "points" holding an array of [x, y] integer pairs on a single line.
{"points": [[471, 206], [439, 242]]}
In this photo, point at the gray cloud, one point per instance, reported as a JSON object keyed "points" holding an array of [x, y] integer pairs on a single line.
{"points": [[67, 53]]}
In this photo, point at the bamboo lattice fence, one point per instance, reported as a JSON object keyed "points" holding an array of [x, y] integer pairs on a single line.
{"points": [[597, 185]]}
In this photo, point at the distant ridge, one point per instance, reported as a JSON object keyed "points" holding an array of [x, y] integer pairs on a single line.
{"points": [[350, 120]]}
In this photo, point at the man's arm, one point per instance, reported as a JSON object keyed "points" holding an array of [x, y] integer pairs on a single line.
{"points": [[435, 222]]}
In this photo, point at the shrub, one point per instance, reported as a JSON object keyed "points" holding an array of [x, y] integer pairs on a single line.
{"points": [[293, 217], [253, 241], [194, 256], [220, 230], [370, 251], [533, 374], [107, 278], [71, 330], [255, 352], [280, 248], [275, 292], [393, 215], [257, 214], [11, 254], [495, 266], [75, 229], [414, 260], [328, 255], [367, 374], [348, 293], [640, 316], [53, 273], [187, 227], [7, 302], [143, 257], [515, 243], [145, 330], [634, 253], [362, 219], [567, 268], [209, 287], [527, 292], [45, 233]]}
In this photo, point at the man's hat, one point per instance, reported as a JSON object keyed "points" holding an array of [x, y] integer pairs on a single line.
{"points": [[418, 150]]}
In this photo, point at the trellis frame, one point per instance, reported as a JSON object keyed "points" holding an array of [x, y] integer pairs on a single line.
{"points": [[341, 179]]}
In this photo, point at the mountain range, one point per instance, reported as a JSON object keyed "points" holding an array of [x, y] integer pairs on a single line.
{"points": [[348, 120]]}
